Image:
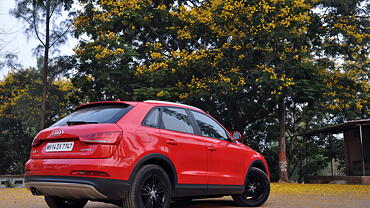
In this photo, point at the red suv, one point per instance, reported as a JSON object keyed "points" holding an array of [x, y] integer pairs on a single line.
{"points": [[143, 154]]}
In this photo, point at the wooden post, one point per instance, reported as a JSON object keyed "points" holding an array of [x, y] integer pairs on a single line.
{"points": [[362, 152]]}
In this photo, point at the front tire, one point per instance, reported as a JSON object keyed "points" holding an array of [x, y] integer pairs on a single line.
{"points": [[151, 188], [57, 202], [257, 189]]}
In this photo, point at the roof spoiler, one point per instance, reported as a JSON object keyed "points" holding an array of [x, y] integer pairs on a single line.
{"points": [[104, 103]]}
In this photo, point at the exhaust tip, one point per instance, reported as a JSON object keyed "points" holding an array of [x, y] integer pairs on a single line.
{"points": [[35, 191]]}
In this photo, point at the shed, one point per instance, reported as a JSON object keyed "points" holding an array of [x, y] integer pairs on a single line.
{"points": [[356, 152]]}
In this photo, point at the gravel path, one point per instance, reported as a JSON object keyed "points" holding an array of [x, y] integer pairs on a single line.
{"points": [[282, 196]]}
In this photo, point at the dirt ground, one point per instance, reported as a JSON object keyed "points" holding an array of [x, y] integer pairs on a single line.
{"points": [[282, 196]]}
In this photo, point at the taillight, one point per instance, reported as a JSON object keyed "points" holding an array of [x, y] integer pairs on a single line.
{"points": [[36, 141], [102, 138]]}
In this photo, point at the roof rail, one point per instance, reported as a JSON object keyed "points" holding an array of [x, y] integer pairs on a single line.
{"points": [[166, 102]]}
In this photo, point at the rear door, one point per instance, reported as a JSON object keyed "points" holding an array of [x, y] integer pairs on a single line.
{"points": [[226, 159], [186, 150]]}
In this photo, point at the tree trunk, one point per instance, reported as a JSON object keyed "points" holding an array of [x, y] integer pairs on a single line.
{"points": [[283, 164], [300, 165], [45, 70], [331, 166], [293, 169]]}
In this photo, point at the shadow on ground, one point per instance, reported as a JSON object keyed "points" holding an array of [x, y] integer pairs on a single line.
{"points": [[217, 203]]}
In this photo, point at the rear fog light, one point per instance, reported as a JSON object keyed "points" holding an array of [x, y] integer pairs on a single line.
{"points": [[89, 173]]}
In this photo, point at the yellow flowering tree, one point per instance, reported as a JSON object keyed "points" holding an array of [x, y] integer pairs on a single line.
{"points": [[20, 95], [243, 61]]}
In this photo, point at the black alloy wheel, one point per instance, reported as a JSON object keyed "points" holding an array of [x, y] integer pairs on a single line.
{"points": [[257, 189], [153, 193], [151, 188]]}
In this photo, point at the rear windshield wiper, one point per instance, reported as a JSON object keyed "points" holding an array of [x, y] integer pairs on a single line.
{"points": [[80, 122]]}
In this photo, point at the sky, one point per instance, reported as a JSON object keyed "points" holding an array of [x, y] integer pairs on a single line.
{"points": [[18, 42]]}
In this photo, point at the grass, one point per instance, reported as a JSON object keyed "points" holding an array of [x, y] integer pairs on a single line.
{"points": [[321, 189]]}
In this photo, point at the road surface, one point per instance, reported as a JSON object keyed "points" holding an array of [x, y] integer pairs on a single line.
{"points": [[282, 196]]}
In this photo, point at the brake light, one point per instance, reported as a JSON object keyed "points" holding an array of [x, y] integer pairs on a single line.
{"points": [[102, 138], [36, 141]]}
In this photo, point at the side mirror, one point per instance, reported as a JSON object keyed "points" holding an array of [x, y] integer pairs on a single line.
{"points": [[235, 135]]}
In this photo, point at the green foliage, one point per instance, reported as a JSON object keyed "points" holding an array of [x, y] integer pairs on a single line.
{"points": [[44, 25], [20, 95], [248, 63], [239, 60]]}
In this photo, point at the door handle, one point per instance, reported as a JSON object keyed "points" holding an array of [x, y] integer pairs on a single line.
{"points": [[212, 148], [171, 142]]}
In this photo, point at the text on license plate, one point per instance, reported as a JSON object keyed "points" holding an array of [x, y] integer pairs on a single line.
{"points": [[59, 147]]}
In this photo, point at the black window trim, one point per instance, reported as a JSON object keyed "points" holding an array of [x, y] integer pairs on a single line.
{"points": [[197, 130], [161, 124], [193, 122], [228, 139], [158, 120]]}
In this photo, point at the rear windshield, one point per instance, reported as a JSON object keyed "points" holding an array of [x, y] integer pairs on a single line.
{"points": [[97, 114]]}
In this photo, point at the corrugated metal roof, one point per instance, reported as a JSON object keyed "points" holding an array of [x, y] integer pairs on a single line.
{"points": [[337, 128]]}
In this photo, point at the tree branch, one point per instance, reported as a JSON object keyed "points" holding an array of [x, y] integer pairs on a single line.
{"points": [[53, 7], [33, 25], [160, 38], [37, 35], [59, 37]]}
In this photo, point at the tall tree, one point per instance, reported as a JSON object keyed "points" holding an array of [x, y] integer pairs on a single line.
{"points": [[20, 94], [42, 22], [246, 62]]}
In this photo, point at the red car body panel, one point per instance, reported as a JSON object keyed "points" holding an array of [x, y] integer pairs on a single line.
{"points": [[226, 162], [196, 159], [189, 154]]}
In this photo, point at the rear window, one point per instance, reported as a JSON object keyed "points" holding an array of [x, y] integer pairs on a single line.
{"points": [[96, 114], [151, 120]]}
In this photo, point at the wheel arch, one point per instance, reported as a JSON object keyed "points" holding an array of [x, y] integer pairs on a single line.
{"points": [[160, 160], [258, 164], [242, 199]]}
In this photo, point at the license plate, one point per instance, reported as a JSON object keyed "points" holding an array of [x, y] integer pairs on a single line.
{"points": [[59, 147]]}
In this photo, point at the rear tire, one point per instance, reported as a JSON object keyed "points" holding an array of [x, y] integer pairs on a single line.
{"points": [[57, 202], [151, 188], [257, 189]]}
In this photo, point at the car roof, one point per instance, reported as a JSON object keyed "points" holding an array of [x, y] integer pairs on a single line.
{"points": [[159, 102], [133, 103]]}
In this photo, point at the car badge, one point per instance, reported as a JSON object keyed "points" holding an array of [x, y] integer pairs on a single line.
{"points": [[57, 132]]}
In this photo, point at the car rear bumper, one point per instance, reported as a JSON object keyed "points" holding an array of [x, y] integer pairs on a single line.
{"points": [[71, 187]]}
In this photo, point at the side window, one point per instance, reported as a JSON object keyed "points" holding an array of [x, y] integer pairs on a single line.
{"points": [[176, 119], [151, 118], [209, 127]]}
